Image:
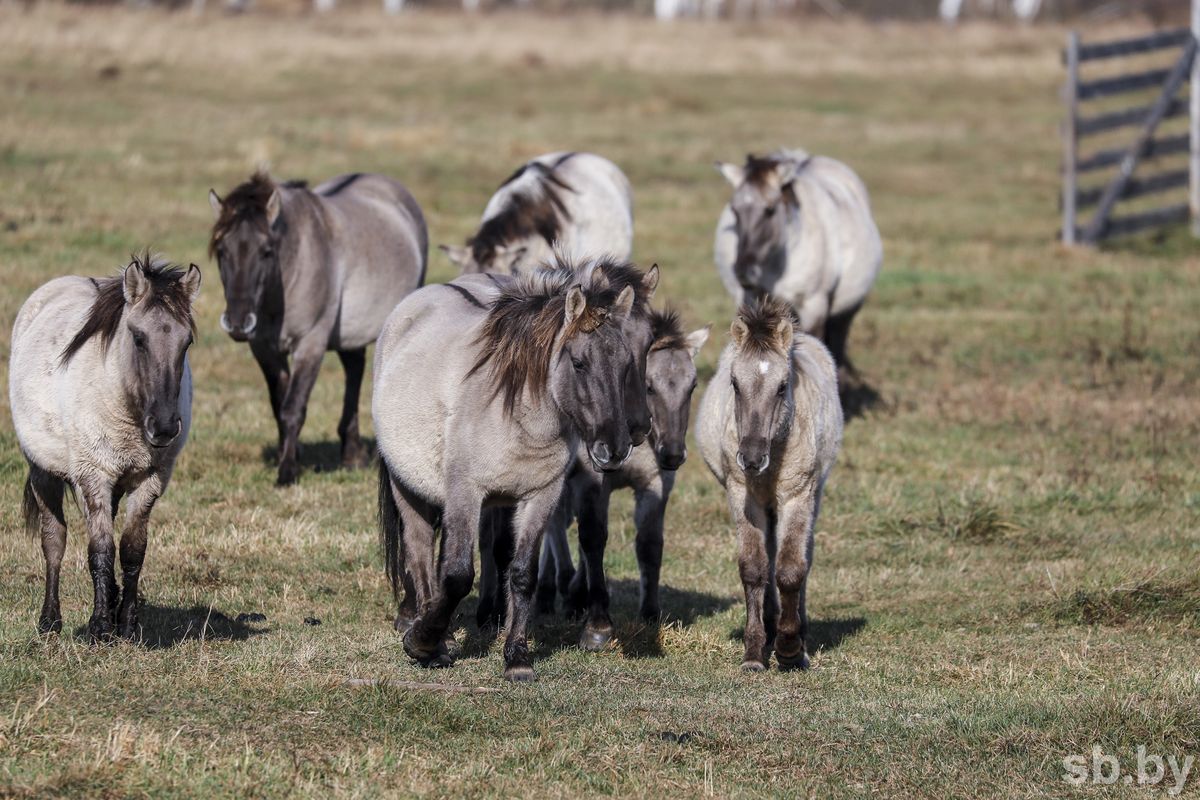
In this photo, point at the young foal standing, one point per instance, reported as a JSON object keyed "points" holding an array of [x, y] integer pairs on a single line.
{"points": [[306, 271], [579, 202], [101, 397], [483, 403], [650, 473], [769, 428]]}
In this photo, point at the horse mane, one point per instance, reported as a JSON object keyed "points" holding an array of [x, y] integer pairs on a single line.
{"points": [[104, 317], [539, 211], [761, 316], [246, 203], [523, 322], [666, 330], [760, 170]]}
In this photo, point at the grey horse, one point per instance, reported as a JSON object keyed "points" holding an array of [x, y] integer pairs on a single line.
{"points": [[578, 203], [101, 397], [799, 228], [650, 473], [310, 270], [481, 400], [770, 428]]}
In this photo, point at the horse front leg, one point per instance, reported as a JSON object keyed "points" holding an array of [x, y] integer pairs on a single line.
{"points": [[555, 569], [354, 453], [97, 511], [793, 562], [44, 497], [275, 370], [295, 404], [649, 511], [133, 552], [425, 640], [754, 568], [592, 513], [529, 524]]}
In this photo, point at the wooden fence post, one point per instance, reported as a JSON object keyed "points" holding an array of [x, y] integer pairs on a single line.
{"points": [[1070, 141]]}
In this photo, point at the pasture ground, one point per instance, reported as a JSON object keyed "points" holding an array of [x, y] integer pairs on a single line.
{"points": [[1006, 569]]}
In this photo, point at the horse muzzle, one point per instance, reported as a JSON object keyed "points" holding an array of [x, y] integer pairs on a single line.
{"points": [[670, 458], [239, 331], [603, 459], [159, 435]]}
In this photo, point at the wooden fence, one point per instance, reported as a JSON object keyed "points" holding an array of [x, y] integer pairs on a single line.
{"points": [[1145, 119]]}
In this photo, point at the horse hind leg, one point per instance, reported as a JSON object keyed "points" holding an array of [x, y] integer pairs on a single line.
{"points": [[354, 452], [555, 570], [43, 510], [837, 333], [495, 553], [407, 532]]}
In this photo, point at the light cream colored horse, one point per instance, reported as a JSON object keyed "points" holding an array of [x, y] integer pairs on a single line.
{"points": [[578, 203], [101, 397], [799, 228], [769, 428]]}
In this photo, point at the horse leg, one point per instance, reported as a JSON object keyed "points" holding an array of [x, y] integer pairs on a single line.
{"points": [[44, 498], [133, 552], [529, 523], [753, 566], [556, 569], [796, 524], [593, 539], [837, 332], [414, 548], [274, 366], [456, 577], [583, 482], [495, 553], [295, 404], [354, 454], [649, 509], [97, 512]]}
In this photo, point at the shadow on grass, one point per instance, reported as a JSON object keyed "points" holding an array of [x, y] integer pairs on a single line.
{"points": [[857, 396], [163, 627], [323, 456], [823, 634], [635, 637]]}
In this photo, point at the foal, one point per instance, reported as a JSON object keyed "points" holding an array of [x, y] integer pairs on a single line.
{"points": [[101, 396], [769, 428]]}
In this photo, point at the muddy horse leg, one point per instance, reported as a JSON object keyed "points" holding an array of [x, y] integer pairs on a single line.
{"points": [[592, 513], [44, 508], [754, 568], [307, 365], [354, 453], [793, 563], [97, 512], [555, 569], [409, 535], [649, 510], [495, 554], [133, 553], [837, 332]]}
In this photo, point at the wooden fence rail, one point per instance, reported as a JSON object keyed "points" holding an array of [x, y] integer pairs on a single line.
{"points": [[1123, 184]]}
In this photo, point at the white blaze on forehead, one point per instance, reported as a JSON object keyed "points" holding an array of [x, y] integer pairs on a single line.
{"points": [[763, 366]]}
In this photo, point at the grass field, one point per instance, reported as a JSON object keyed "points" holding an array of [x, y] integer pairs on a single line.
{"points": [[1007, 566]]}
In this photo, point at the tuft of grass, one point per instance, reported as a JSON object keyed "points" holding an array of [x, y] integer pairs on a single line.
{"points": [[1146, 600], [970, 520]]}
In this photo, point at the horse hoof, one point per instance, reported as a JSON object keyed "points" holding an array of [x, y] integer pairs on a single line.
{"points": [[595, 639], [49, 625], [431, 658], [519, 673], [790, 663], [651, 614], [100, 633], [287, 476], [750, 665]]}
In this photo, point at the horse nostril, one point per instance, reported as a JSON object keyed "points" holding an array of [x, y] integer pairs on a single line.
{"points": [[601, 452]]}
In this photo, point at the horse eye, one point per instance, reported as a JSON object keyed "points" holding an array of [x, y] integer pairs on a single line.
{"points": [[770, 212], [139, 340], [578, 364], [782, 390], [649, 389], [736, 389], [266, 252]]}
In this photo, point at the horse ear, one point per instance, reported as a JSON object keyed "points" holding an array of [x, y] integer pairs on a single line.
{"points": [[784, 334], [273, 207], [191, 281], [624, 303], [135, 283], [739, 331], [696, 339], [458, 255], [786, 172], [576, 303], [214, 200], [732, 172], [650, 281]]}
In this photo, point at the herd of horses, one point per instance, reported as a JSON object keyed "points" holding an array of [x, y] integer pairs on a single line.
{"points": [[505, 403]]}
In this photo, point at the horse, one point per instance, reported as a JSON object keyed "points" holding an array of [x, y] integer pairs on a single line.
{"points": [[579, 202], [481, 402], [101, 396], [310, 270], [650, 473], [799, 228], [769, 428]]}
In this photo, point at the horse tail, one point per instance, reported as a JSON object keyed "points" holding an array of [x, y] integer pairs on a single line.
{"points": [[391, 531], [29, 507]]}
